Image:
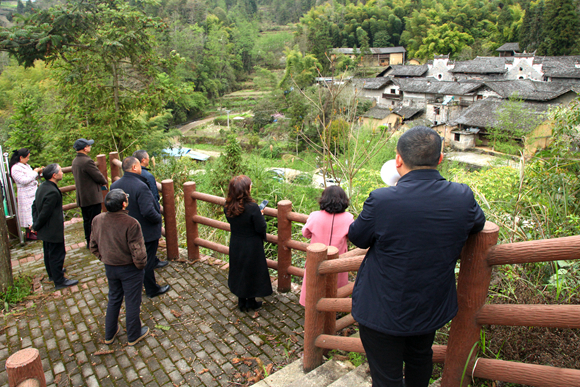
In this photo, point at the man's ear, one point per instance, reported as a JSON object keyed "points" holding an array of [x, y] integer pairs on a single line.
{"points": [[398, 161], [440, 158]]}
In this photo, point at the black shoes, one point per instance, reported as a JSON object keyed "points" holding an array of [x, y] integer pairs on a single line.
{"points": [[65, 283], [110, 341], [245, 304], [253, 304], [161, 264], [144, 332], [162, 290]]}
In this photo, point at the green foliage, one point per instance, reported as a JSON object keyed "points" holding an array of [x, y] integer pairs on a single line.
{"points": [[300, 70], [513, 122], [227, 166], [271, 151], [560, 24], [444, 40], [21, 289]]}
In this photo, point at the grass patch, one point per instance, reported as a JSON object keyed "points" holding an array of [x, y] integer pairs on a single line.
{"points": [[14, 294]]}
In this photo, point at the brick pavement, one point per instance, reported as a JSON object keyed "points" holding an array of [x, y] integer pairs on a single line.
{"points": [[198, 337]]}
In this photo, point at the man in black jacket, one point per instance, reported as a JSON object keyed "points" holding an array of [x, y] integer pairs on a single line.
{"points": [[405, 287], [145, 209], [48, 222]]}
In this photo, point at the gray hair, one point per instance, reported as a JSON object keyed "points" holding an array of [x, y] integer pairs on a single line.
{"points": [[140, 154], [50, 170]]}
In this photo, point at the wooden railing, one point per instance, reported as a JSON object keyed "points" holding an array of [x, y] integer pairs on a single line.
{"points": [[478, 257], [102, 165], [283, 240]]}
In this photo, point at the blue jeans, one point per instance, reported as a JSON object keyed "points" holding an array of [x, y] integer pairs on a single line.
{"points": [[124, 281]]}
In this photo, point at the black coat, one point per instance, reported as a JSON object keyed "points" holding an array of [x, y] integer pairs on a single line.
{"points": [[47, 216], [142, 206], [248, 276], [415, 230]]}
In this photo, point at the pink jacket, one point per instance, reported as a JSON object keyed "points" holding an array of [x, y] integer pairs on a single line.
{"points": [[319, 227]]}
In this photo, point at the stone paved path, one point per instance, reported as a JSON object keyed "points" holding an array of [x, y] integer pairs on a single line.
{"points": [[198, 337]]}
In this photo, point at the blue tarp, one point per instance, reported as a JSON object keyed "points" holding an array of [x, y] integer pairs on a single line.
{"points": [[185, 152]]}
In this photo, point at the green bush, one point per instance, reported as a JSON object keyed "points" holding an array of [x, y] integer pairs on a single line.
{"points": [[271, 151], [17, 292]]}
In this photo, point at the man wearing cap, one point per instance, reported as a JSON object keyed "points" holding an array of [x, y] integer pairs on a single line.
{"points": [[405, 287], [89, 182]]}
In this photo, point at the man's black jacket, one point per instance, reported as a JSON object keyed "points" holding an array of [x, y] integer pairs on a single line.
{"points": [[415, 231]]}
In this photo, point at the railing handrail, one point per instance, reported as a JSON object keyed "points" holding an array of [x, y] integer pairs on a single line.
{"points": [[478, 256]]}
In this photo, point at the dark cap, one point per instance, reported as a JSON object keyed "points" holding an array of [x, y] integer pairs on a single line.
{"points": [[81, 143]]}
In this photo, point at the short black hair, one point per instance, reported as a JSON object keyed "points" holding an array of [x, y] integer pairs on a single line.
{"points": [[333, 200], [49, 171], [128, 163], [420, 147], [140, 154], [115, 199]]}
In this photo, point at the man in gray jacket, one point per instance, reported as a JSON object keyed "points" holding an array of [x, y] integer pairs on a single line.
{"points": [[89, 182], [122, 250]]}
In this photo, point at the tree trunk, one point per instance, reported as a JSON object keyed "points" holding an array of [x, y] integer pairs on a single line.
{"points": [[6, 278]]}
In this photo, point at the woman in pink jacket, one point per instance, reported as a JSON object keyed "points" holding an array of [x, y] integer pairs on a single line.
{"points": [[329, 226]]}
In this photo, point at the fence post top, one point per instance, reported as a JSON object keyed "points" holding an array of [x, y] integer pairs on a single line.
{"points": [[332, 250], [24, 356], [490, 227], [189, 183], [284, 203], [113, 153], [317, 247], [167, 181], [101, 155]]}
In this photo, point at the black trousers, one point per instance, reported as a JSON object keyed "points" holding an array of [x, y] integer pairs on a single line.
{"points": [[54, 254], [386, 355], [89, 213], [150, 283], [124, 281]]}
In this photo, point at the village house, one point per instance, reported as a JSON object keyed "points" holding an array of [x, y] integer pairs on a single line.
{"points": [[380, 56], [509, 49], [388, 117]]}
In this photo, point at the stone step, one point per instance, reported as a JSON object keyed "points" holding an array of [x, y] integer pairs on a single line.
{"points": [[359, 377], [323, 375], [293, 375]]}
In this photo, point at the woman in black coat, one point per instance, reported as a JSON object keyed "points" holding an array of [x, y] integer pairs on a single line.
{"points": [[248, 276]]}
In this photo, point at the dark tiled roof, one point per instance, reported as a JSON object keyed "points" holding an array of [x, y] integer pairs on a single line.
{"points": [[370, 83], [481, 65], [482, 113], [510, 47], [377, 112], [560, 66], [408, 70], [407, 112], [432, 86], [527, 89]]}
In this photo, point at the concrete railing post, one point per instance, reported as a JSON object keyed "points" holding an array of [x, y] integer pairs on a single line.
{"points": [[169, 215], [284, 252], [115, 169], [313, 319], [472, 288], [190, 226], [102, 165]]}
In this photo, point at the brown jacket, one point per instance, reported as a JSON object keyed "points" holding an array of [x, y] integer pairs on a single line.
{"points": [[116, 239], [88, 180]]}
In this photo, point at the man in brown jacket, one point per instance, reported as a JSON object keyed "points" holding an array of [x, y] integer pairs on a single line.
{"points": [[89, 182], [117, 241]]}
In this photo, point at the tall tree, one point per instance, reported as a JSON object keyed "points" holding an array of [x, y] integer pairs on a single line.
{"points": [[109, 74], [561, 24], [532, 30]]}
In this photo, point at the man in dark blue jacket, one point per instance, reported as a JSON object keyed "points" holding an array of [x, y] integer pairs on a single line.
{"points": [[143, 207], [143, 158], [405, 287], [48, 222]]}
